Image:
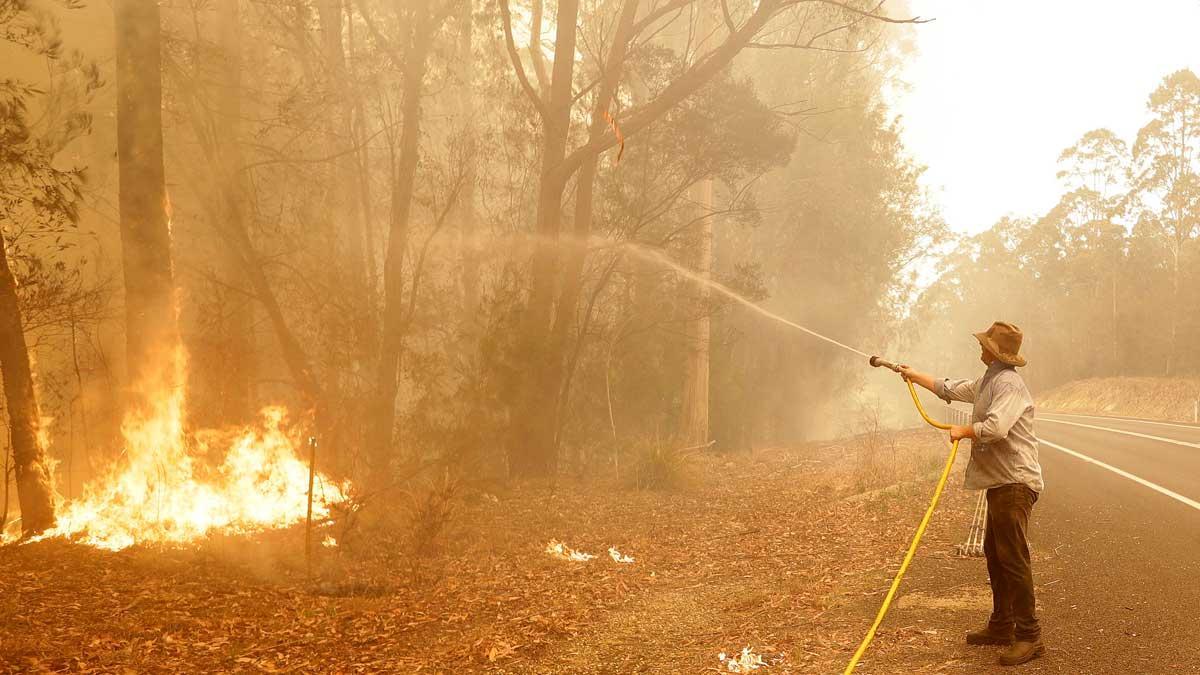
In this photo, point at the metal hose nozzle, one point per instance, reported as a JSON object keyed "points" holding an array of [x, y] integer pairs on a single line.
{"points": [[878, 361]]}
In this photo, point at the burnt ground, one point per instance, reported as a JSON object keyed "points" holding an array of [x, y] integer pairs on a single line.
{"points": [[787, 551]]}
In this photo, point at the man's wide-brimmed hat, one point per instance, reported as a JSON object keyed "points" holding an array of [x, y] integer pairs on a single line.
{"points": [[1003, 340]]}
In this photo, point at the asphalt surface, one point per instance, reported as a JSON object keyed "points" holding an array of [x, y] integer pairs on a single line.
{"points": [[1128, 556], [1116, 557]]}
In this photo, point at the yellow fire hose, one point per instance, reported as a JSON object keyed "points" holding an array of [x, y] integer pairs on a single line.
{"points": [[912, 548]]}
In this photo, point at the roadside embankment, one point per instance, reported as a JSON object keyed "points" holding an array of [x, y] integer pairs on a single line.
{"points": [[1157, 398]]}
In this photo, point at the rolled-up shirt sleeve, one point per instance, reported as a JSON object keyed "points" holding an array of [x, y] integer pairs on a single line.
{"points": [[1007, 406], [955, 390]]}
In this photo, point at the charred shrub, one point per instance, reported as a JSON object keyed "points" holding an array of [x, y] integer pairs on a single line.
{"points": [[432, 511], [656, 466]]}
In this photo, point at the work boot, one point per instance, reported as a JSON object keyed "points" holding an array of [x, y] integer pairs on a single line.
{"points": [[1022, 651], [990, 636]]}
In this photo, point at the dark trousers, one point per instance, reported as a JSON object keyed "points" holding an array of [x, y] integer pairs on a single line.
{"points": [[1007, 551]]}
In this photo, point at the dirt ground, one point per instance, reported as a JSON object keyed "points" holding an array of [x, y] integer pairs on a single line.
{"points": [[786, 551], [1152, 398]]}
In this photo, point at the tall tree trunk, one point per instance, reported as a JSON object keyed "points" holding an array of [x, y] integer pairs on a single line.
{"points": [[1176, 310], [575, 256], [362, 248], [34, 488], [237, 237], [239, 377], [693, 414], [345, 201], [229, 214], [387, 383], [1115, 328], [694, 406], [465, 213], [145, 238], [344, 215], [531, 449]]}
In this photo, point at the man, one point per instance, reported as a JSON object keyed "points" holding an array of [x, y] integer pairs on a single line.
{"points": [[1004, 461]]}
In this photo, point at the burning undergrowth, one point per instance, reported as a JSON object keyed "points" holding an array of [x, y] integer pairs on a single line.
{"points": [[766, 551], [173, 484]]}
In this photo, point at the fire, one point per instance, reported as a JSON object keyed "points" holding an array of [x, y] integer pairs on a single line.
{"points": [[561, 551], [617, 557], [743, 663], [173, 485]]}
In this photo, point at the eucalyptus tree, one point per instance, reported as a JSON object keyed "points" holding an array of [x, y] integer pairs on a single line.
{"points": [[1166, 181], [150, 311], [639, 30], [1090, 217], [39, 200]]}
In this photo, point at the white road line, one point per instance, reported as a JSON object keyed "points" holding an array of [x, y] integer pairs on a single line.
{"points": [[1123, 419], [1137, 479], [1124, 433]]}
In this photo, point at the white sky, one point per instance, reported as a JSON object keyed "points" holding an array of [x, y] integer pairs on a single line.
{"points": [[998, 89]]}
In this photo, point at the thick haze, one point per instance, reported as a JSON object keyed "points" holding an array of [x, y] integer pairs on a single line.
{"points": [[406, 218], [999, 89], [344, 335]]}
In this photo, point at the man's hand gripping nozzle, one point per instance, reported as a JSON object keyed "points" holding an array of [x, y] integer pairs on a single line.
{"points": [[877, 361]]}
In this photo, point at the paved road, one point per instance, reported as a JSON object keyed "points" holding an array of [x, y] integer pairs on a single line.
{"points": [[1116, 545], [1126, 554]]}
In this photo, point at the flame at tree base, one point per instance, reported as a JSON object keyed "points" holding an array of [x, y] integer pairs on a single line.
{"points": [[176, 486]]}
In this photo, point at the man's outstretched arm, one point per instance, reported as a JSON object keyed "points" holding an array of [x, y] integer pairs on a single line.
{"points": [[947, 390], [918, 378]]}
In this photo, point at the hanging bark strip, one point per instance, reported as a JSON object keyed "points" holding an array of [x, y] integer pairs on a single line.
{"points": [[612, 122]]}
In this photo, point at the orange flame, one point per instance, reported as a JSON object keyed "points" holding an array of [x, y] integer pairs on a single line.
{"points": [[172, 486]]}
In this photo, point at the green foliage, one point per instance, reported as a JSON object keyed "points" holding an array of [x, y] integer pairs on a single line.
{"points": [[36, 196], [34, 193], [292, 130], [850, 215], [31, 26], [1098, 162], [39, 201]]}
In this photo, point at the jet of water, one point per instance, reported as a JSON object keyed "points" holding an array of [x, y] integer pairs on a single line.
{"points": [[653, 255], [657, 257]]}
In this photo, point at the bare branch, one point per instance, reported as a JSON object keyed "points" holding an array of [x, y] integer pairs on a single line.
{"points": [[535, 45], [384, 43], [695, 77], [515, 57], [649, 19], [870, 14], [313, 160], [438, 224], [811, 48]]}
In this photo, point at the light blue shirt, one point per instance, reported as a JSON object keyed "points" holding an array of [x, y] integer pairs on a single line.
{"points": [[1005, 450]]}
